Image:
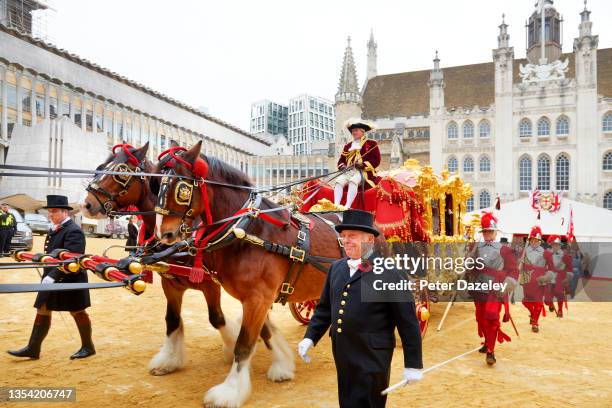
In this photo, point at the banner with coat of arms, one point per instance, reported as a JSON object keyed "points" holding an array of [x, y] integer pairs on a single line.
{"points": [[549, 201]]}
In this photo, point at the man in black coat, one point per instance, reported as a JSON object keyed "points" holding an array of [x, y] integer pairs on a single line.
{"points": [[65, 234], [132, 240], [362, 331]]}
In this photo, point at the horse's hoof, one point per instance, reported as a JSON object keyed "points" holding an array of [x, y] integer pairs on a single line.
{"points": [[226, 396], [279, 372], [161, 371], [164, 363]]}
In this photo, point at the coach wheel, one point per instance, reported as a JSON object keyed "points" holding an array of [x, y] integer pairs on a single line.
{"points": [[302, 312]]}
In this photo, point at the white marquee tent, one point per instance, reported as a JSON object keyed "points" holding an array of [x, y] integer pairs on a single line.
{"points": [[591, 223]]}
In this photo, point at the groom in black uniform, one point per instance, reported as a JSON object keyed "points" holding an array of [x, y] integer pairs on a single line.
{"points": [[65, 234], [362, 332]]}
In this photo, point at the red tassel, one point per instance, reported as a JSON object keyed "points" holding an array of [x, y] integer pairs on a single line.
{"points": [[196, 275], [538, 214], [498, 203]]}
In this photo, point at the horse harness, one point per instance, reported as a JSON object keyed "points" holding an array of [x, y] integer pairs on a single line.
{"points": [[234, 229]]}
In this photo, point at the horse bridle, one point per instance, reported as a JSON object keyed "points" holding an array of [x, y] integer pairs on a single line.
{"points": [[124, 180], [183, 196]]}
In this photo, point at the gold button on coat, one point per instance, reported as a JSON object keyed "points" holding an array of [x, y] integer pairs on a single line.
{"points": [[339, 330], [343, 302], [339, 321]]}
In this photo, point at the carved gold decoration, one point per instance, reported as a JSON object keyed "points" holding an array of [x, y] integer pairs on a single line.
{"points": [[324, 205]]}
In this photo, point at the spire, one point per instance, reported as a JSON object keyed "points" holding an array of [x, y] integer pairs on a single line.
{"points": [[585, 22], [348, 89], [372, 71], [503, 39], [437, 76]]}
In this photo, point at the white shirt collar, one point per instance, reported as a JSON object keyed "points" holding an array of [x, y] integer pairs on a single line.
{"points": [[353, 264]]}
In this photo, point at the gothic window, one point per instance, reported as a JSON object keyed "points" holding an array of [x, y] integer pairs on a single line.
{"points": [[453, 164], [543, 127], [607, 122], [607, 201], [484, 199], [525, 173], [607, 161], [562, 169], [468, 130], [485, 163], [562, 126], [468, 164], [543, 173], [484, 129], [451, 131], [469, 204], [525, 128]]}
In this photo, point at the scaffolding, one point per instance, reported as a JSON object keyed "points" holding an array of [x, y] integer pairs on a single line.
{"points": [[27, 16]]}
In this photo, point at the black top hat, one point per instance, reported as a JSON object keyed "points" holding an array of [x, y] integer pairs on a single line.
{"points": [[57, 201], [503, 240], [357, 220]]}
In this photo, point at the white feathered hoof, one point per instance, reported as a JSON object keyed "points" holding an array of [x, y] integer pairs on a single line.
{"points": [[171, 356], [279, 371], [233, 392], [283, 363]]}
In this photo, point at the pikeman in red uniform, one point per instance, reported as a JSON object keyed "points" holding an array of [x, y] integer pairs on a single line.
{"points": [[364, 155], [534, 277], [499, 267], [559, 263]]}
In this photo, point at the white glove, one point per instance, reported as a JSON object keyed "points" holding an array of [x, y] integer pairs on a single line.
{"points": [[303, 348], [412, 375], [48, 279]]}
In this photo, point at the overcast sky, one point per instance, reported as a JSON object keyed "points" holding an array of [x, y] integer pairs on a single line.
{"points": [[226, 54]]}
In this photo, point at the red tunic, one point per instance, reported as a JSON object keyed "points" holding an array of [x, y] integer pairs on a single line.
{"points": [[369, 155], [561, 272]]}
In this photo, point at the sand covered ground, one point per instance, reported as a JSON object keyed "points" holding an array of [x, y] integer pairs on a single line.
{"points": [[569, 363]]}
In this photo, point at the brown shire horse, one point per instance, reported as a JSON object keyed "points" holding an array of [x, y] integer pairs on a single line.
{"points": [[247, 272], [108, 193]]}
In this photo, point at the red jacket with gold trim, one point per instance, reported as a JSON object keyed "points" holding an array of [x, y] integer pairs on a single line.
{"points": [[369, 154]]}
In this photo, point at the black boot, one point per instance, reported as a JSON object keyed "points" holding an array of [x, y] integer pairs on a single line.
{"points": [[84, 325], [483, 349], [39, 332]]}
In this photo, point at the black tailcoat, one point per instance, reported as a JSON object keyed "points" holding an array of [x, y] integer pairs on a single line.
{"points": [[363, 336], [69, 236]]}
